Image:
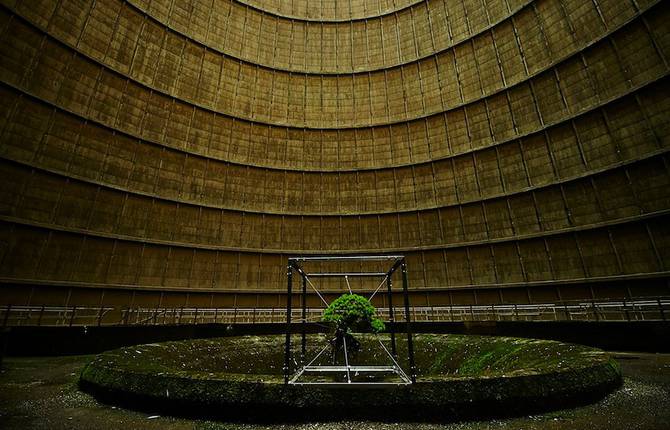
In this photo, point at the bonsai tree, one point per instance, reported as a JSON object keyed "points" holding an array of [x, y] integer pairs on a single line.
{"points": [[351, 313]]}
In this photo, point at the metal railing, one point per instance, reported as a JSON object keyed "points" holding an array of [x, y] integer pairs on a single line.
{"points": [[647, 309]]}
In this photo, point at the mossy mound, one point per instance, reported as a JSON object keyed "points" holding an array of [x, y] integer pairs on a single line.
{"points": [[240, 378]]}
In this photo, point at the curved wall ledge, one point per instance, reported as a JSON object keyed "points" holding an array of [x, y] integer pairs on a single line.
{"points": [[328, 48], [638, 248], [577, 204], [521, 155], [322, 102], [332, 11], [623, 131], [550, 98]]}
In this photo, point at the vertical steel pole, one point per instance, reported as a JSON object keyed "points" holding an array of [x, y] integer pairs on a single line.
{"points": [[389, 285], [287, 347], [410, 343], [304, 317]]}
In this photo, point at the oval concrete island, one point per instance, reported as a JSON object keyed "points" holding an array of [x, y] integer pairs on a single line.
{"points": [[240, 378]]}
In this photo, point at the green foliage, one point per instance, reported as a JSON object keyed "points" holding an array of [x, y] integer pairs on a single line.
{"points": [[353, 313]]}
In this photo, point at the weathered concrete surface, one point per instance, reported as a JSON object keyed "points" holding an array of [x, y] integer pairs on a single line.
{"points": [[41, 393]]}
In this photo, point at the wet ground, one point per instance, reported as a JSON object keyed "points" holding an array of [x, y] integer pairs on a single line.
{"points": [[41, 393]]}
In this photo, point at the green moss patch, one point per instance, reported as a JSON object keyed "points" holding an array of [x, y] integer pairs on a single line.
{"points": [[457, 377]]}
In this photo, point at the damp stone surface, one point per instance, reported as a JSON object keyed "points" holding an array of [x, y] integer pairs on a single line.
{"points": [[458, 376]]}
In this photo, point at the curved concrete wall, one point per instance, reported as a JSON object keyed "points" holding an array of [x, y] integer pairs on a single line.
{"points": [[514, 150]]}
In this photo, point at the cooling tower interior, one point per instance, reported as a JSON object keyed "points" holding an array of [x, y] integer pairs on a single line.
{"points": [[176, 153]]}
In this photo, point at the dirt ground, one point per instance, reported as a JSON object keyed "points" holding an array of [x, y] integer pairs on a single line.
{"points": [[41, 393]]}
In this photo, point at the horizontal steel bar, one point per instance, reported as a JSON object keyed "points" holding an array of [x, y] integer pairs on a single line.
{"points": [[349, 257], [349, 384], [342, 274], [350, 368]]}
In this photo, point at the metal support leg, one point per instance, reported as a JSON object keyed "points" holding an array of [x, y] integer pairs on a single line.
{"points": [[410, 344], [303, 349], [287, 346], [389, 285]]}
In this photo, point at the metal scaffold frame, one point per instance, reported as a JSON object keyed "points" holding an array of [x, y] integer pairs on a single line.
{"points": [[396, 262]]}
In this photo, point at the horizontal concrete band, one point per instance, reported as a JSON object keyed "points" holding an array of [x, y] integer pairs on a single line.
{"points": [[422, 143], [334, 11], [634, 248], [361, 46], [36, 137], [459, 92], [606, 199], [608, 287]]}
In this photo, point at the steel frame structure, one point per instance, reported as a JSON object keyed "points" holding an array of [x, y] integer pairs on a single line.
{"points": [[397, 262]]}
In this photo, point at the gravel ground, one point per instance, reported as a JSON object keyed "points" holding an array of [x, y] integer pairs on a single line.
{"points": [[41, 393]]}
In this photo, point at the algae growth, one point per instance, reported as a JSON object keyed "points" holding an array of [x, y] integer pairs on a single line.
{"points": [[457, 375]]}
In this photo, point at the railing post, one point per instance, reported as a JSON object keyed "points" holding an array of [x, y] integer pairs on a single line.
{"points": [[39, 319], [595, 311], [100, 316], [216, 314], [660, 308], [195, 316], [625, 310], [6, 319]]}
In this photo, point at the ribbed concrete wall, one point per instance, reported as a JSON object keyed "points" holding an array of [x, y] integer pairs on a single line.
{"points": [[177, 152]]}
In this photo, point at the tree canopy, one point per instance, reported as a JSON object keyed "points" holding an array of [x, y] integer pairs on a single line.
{"points": [[353, 313]]}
